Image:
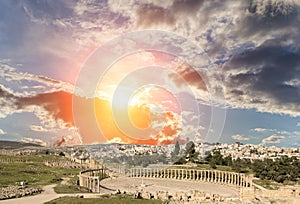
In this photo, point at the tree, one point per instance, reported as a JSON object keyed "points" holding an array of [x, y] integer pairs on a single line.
{"points": [[177, 149], [190, 152], [212, 164]]}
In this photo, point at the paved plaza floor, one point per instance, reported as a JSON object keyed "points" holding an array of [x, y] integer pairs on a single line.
{"points": [[171, 185]]}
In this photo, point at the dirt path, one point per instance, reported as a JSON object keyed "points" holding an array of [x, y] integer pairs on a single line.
{"points": [[47, 195]]}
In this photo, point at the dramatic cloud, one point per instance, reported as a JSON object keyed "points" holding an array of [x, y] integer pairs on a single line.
{"points": [[262, 16], [239, 137], [272, 139], [256, 78], [58, 104], [190, 75], [298, 125]]}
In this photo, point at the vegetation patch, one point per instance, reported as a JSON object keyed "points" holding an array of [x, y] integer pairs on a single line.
{"points": [[70, 187], [114, 199], [33, 172]]}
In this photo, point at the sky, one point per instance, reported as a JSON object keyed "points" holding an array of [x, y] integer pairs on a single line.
{"points": [[150, 72]]}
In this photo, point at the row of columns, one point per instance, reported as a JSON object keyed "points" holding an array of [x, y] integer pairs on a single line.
{"points": [[223, 177], [90, 179]]}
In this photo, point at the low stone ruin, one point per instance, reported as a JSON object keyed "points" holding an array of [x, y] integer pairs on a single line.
{"points": [[17, 191]]}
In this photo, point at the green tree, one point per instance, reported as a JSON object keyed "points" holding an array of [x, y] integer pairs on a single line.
{"points": [[190, 152], [177, 149]]}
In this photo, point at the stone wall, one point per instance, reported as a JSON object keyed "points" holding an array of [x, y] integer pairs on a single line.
{"points": [[17, 191]]}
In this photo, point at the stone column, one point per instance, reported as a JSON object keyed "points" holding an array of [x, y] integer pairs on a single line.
{"points": [[242, 182], [201, 175], [234, 179], [98, 185]]}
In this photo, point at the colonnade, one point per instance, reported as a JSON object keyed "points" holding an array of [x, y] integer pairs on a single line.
{"points": [[90, 179], [214, 176]]}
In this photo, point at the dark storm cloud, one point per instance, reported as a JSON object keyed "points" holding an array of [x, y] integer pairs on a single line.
{"points": [[184, 6], [265, 16], [150, 14], [270, 73]]}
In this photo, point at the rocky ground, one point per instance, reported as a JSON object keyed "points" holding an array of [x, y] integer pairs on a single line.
{"points": [[17, 191]]}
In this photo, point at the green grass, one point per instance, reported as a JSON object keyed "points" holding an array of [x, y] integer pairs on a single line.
{"points": [[205, 167], [270, 185], [34, 172], [117, 199], [70, 187]]}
